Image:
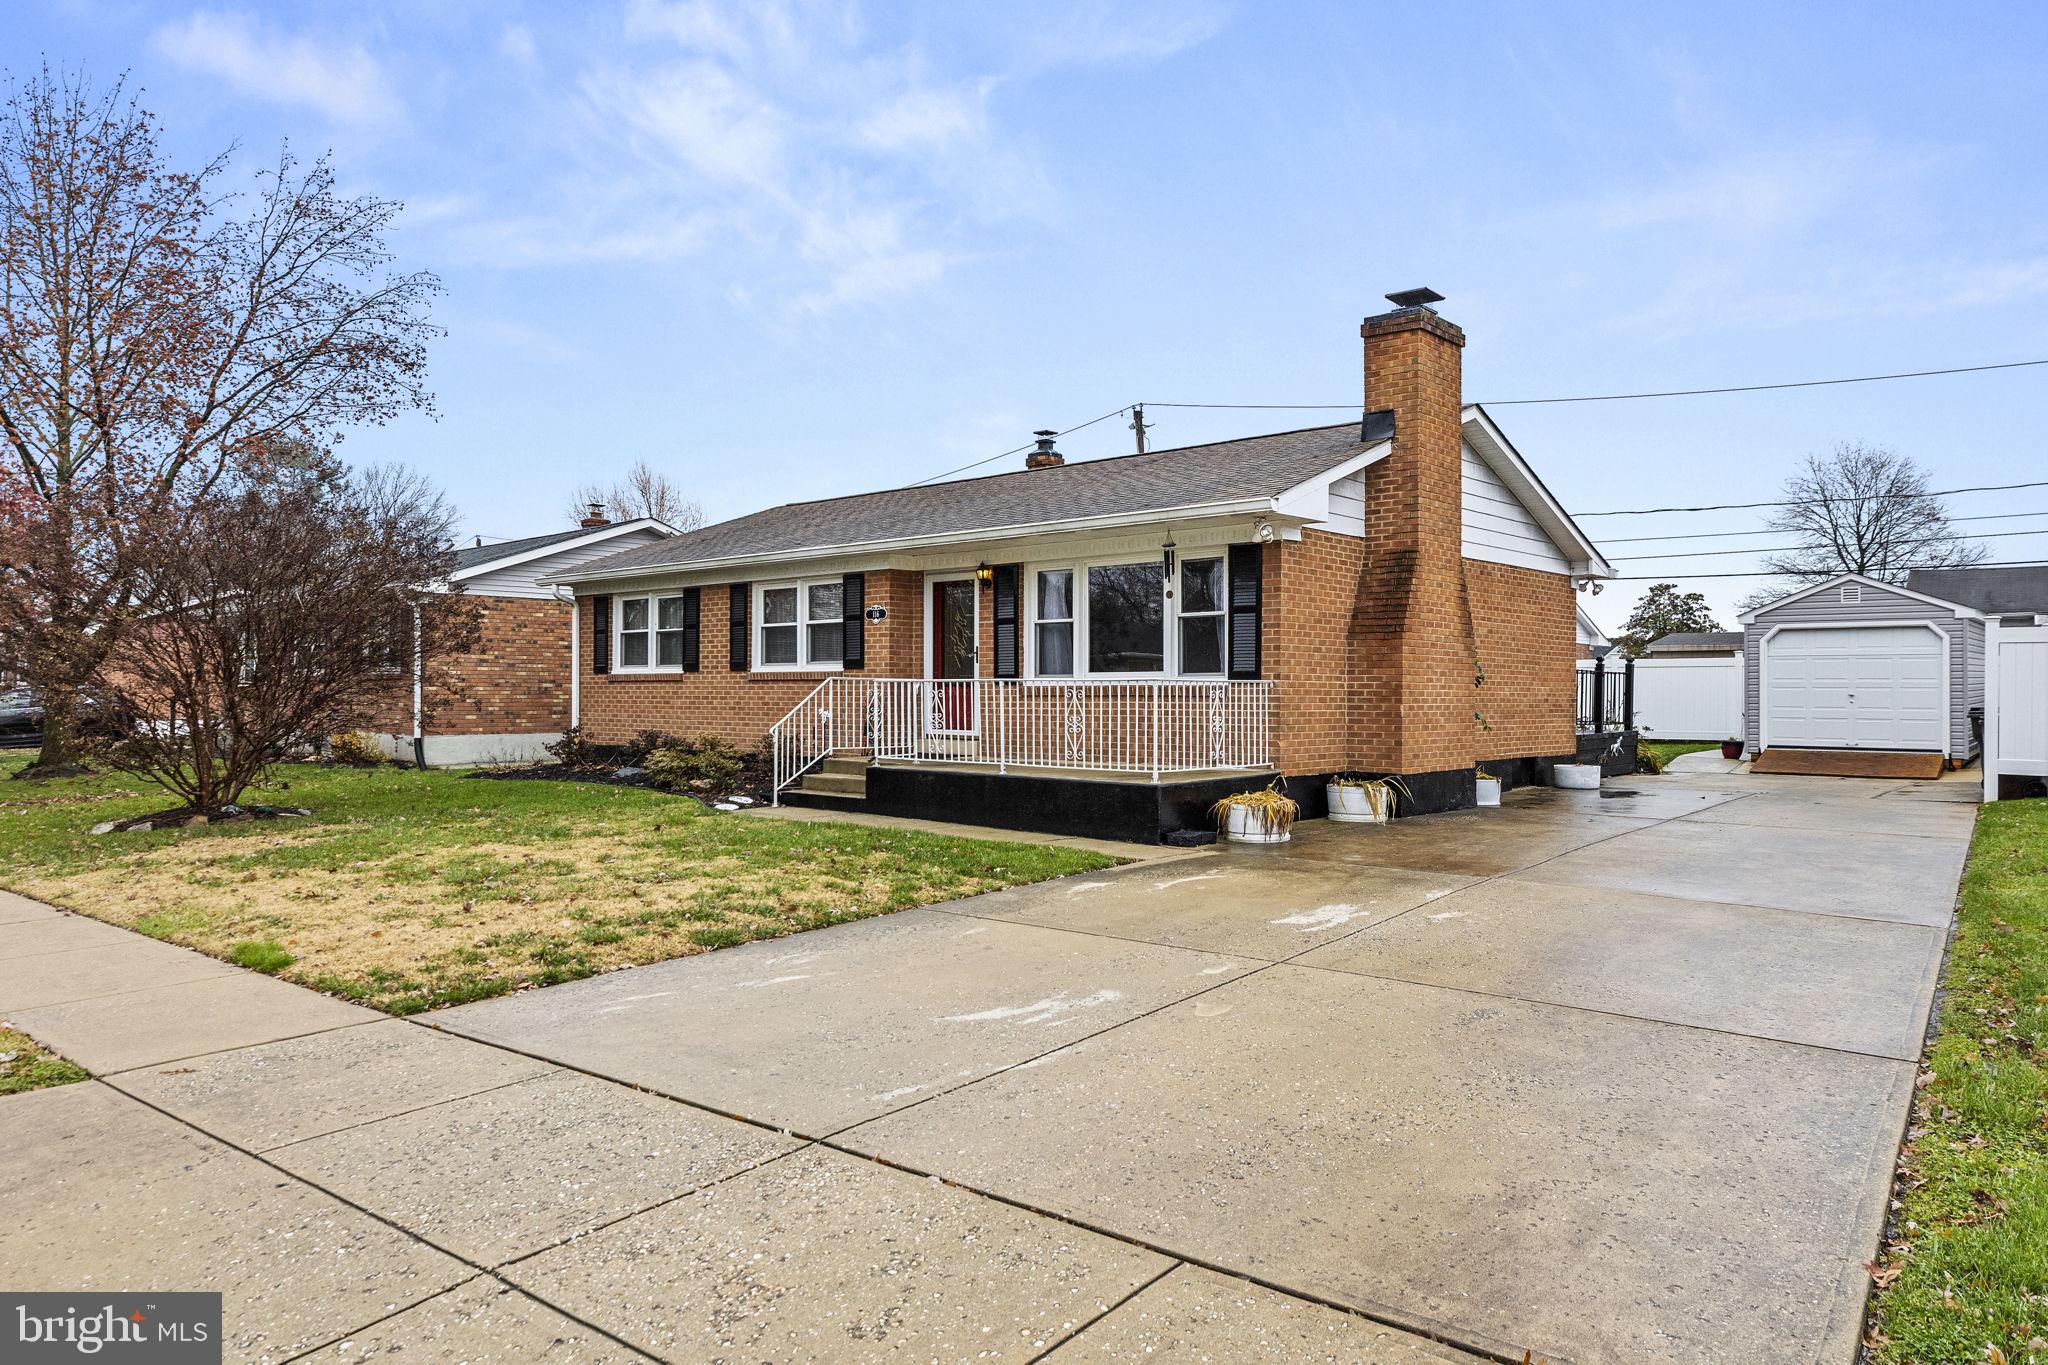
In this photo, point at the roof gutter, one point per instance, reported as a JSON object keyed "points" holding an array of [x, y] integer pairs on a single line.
{"points": [[1237, 507]]}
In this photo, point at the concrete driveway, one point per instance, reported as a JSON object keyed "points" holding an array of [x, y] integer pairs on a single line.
{"points": [[1602, 1077]]}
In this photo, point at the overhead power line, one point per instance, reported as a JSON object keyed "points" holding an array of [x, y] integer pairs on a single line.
{"points": [[1653, 393], [1781, 549], [1766, 573], [1814, 502], [1765, 388], [1759, 530], [1528, 402], [1019, 450]]}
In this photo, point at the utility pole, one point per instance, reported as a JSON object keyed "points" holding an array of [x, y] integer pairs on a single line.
{"points": [[1138, 425]]}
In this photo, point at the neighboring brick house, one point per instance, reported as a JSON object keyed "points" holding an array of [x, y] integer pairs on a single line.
{"points": [[515, 693], [1106, 646]]}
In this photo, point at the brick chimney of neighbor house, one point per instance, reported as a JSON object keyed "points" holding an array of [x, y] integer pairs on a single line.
{"points": [[1414, 657], [1045, 457], [595, 517]]}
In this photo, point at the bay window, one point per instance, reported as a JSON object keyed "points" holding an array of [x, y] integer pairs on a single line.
{"points": [[802, 625]]}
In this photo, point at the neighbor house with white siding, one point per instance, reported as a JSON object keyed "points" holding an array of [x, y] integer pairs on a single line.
{"points": [[1106, 646]]}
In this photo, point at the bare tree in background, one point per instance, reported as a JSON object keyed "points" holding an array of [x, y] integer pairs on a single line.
{"points": [[282, 604], [1862, 509], [644, 492], [157, 332]]}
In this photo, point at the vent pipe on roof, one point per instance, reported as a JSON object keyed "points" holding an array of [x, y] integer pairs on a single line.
{"points": [[1045, 457]]}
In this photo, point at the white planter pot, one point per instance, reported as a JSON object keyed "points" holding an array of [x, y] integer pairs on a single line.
{"points": [[1354, 805], [1489, 791], [1577, 776], [1244, 825]]}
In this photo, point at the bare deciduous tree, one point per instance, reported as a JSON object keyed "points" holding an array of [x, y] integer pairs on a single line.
{"points": [[644, 492], [157, 331], [283, 604], [1863, 509]]}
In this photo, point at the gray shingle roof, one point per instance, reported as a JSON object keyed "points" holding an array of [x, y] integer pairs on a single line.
{"points": [[1157, 481], [1682, 640], [2016, 590], [469, 556]]}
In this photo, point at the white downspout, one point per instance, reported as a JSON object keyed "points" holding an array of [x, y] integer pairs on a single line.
{"points": [[575, 656], [419, 742]]}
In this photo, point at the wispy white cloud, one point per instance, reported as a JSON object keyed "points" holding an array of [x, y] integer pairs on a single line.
{"points": [[516, 43], [829, 166], [342, 80]]}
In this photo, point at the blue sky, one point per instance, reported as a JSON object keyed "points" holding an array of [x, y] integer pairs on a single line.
{"points": [[788, 250]]}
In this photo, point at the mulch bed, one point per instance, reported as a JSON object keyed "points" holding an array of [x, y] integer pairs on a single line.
{"points": [[184, 817], [752, 788]]}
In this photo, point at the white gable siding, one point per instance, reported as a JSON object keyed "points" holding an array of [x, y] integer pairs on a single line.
{"points": [[521, 580], [1347, 505], [1498, 528]]}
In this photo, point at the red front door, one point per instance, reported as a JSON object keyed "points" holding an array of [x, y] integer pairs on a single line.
{"points": [[954, 652]]}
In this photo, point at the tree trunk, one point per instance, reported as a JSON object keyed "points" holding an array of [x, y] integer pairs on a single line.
{"points": [[60, 730]]}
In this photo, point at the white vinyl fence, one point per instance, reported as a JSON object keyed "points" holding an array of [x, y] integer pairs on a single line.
{"points": [[2015, 703], [1680, 697]]}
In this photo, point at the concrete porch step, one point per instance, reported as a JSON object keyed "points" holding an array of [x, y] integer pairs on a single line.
{"points": [[844, 765], [837, 783]]}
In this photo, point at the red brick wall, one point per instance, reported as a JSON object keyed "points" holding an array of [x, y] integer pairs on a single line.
{"points": [[516, 681], [739, 707], [1526, 622]]}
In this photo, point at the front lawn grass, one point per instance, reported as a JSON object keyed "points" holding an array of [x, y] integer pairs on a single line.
{"points": [[26, 1065], [1965, 1271], [1667, 749], [408, 890]]}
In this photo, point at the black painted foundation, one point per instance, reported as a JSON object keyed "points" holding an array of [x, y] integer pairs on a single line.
{"points": [[1152, 812]]}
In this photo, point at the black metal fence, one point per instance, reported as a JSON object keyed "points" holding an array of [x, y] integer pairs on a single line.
{"points": [[1606, 695]]}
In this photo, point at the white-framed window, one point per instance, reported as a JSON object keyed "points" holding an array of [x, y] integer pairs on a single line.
{"points": [[800, 625], [1201, 603], [633, 632], [1053, 622], [1116, 618], [649, 633]]}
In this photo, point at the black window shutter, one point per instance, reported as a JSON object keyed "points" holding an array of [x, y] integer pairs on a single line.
{"points": [[854, 596], [601, 633], [1246, 590], [736, 631], [693, 618], [1008, 659]]}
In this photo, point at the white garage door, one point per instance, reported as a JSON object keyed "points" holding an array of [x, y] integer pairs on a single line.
{"points": [[1872, 687]]}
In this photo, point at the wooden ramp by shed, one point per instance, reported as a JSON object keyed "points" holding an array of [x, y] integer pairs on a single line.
{"points": [[1848, 763]]}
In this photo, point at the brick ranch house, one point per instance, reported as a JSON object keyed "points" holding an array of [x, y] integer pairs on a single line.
{"points": [[512, 696], [1106, 647]]}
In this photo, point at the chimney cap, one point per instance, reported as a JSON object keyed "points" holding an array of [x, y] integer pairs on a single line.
{"points": [[1045, 457], [595, 517], [1414, 298]]}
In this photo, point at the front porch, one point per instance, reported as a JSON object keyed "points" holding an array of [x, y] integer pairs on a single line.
{"points": [[1129, 759]]}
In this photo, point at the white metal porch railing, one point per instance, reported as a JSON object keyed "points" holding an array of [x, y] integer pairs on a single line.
{"points": [[1151, 726]]}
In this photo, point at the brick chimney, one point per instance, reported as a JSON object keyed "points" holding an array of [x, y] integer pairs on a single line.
{"points": [[594, 518], [1415, 658], [1045, 457]]}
